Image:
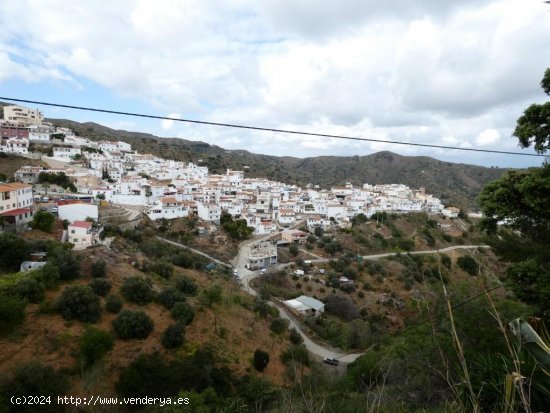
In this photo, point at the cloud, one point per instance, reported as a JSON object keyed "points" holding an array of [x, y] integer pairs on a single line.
{"points": [[487, 137], [166, 124], [425, 72]]}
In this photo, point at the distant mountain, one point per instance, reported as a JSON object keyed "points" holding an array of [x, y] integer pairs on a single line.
{"points": [[456, 184]]}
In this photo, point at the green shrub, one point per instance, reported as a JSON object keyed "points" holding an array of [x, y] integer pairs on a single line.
{"points": [[185, 284], [260, 360], [295, 354], [100, 286], [98, 269], [66, 263], [468, 264], [78, 302], [95, 344], [279, 325], [43, 221], [162, 268], [132, 324], [183, 312], [137, 290], [13, 250], [12, 313], [295, 337], [170, 296], [35, 379], [113, 303], [446, 261], [173, 336], [29, 289], [48, 275]]}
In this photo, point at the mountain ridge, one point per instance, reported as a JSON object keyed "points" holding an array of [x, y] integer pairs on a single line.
{"points": [[455, 183]]}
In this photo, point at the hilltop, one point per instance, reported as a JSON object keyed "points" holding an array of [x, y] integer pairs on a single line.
{"points": [[456, 184]]}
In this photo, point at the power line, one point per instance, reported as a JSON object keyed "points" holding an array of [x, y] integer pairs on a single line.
{"points": [[263, 129]]}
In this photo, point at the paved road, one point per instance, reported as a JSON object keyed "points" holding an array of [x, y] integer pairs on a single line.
{"points": [[390, 254]]}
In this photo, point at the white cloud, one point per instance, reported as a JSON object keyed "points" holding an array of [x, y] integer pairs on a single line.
{"points": [[437, 72], [166, 124], [487, 137]]}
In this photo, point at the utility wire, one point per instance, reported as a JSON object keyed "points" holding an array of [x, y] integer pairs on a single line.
{"points": [[263, 129]]}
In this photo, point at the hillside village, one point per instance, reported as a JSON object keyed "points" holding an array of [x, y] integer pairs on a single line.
{"points": [[117, 175]]}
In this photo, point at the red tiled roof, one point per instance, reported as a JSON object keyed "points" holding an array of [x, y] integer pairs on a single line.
{"points": [[15, 212], [82, 224]]}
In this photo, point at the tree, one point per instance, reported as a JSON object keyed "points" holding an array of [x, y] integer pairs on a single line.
{"points": [[468, 264], [43, 221], [295, 337], [520, 200], [29, 289], [185, 284], [279, 325], [12, 313], [342, 307], [211, 295], [260, 360], [66, 263], [100, 286], [95, 344], [293, 249], [170, 296], [98, 269], [183, 312], [35, 379], [162, 268], [173, 336], [137, 290], [13, 250], [132, 324], [113, 303], [78, 302]]}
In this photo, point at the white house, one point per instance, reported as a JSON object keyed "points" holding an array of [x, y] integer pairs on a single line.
{"points": [[82, 234], [208, 211], [169, 208], [39, 133], [66, 153], [74, 210], [305, 306]]}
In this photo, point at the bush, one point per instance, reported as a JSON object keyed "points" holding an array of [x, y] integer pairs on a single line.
{"points": [[186, 285], [48, 275], [170, 296], [100, 286], [12, 313], [183, 312], [66, 263], [29, 289], [446, 261], [261, 360], [468, 264], [137, 290], [79, 302], [43, 221], [162, 268], [113, 303], [279, 325], [95, 344], [98, 269], [342, 307], [132, 324], [296, 354], [35, 379], [173, 336], [13, 250], [295, 337]]}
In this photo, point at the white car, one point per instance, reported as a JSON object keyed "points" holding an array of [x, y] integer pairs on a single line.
{"points": [[263, 271], [235, 273]]}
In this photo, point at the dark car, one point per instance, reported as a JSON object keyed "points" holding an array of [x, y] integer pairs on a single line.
{"points": [[331, 361]]}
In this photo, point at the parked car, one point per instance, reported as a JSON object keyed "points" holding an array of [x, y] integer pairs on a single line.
{"points": [[263, 271], [331, 361], [45, 199], [55, 210]]}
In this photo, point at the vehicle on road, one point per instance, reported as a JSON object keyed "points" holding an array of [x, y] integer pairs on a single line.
{"points": [[43, 208], [331, 361], [235, 272]]}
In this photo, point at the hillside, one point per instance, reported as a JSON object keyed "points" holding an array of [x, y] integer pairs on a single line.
{"points": [[456, 184]]}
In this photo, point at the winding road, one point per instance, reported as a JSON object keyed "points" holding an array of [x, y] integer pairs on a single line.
{"points": [[245, 276]]}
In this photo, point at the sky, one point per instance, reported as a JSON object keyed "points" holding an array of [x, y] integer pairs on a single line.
{"points": [[443, 72]]}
